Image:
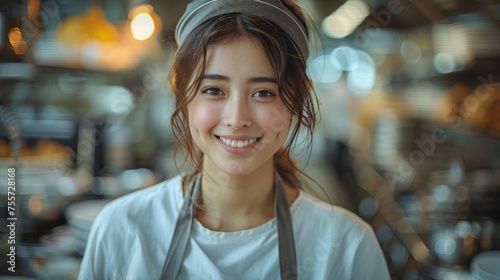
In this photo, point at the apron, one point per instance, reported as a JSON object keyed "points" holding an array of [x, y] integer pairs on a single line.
{"points": [[182, 232]]}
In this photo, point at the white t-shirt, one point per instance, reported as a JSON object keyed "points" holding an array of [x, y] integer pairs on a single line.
{"points": [[131, 236]]}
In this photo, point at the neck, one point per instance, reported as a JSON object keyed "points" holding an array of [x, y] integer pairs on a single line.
{"points": [[236, 202]]}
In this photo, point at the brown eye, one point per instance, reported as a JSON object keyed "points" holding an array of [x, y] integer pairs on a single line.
{"points": [[264, 94], [212, 91]]}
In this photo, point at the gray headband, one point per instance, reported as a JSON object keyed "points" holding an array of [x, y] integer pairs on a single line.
{"points": [[200, 11]]}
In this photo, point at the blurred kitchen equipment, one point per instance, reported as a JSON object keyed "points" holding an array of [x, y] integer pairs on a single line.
{"points": [[439, 273], [375, 185], [55, 257], [113, 186], [45, 177], [8, 120], [454, 245], [80, 216], [60, 241], [92, 25], [486, 266], [55, 268], [387, 139]]}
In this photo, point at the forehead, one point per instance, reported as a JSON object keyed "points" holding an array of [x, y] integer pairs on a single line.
{"points": [[241, 56]]}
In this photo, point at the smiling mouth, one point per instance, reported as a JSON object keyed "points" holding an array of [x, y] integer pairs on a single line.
{"points": [[239, 143]]}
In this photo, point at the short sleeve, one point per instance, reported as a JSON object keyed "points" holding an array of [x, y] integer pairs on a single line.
{"points": [[369, 260]]}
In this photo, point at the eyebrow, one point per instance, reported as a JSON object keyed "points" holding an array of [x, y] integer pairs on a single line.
{"points": [[251, 80]]}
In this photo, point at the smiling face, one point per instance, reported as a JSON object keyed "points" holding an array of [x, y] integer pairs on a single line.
{"points": [[236, 117]]}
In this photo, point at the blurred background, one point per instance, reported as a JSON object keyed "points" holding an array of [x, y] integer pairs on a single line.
{"points": [[409, 138]]}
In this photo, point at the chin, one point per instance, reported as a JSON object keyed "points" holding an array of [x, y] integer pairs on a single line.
{"points": [[237, 171], [234, 168]]}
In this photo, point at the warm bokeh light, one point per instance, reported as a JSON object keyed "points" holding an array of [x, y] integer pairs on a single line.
{"points": [[336, 26], [15, 36], [35, 204], [16, 41], [21, 48], [33, 9], [345, 19], [142, 26]]}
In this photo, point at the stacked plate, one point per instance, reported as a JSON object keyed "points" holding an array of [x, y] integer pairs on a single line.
{"points": [[485, 266], [80, 216]]}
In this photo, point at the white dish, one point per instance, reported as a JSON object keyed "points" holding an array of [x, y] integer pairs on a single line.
{"points": [[85, 211], [486, 266]]}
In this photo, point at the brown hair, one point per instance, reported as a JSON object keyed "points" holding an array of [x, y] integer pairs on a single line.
{"points": [[296, 90]]}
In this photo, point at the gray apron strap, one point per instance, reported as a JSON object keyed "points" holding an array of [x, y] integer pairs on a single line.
{"points": [[286, 241], [182, 232]]}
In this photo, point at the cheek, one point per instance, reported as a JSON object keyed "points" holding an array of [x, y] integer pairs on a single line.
{"points": [[275, 119], [201, 117]]}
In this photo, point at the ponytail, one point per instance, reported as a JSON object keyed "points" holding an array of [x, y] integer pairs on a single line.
{"points": [[287, 169]]}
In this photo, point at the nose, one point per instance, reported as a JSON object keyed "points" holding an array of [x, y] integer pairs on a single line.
{"points": [[237, 113]]}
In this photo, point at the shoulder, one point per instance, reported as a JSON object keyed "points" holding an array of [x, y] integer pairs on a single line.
{"points": [[130, 220], [318, 221], [313, 210], [336, 241]]}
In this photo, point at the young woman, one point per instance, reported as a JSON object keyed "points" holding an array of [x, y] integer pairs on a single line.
{"points": [[242, 95]]}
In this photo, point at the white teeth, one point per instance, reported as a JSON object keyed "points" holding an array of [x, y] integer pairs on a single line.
{"points": [[238, 144]]}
